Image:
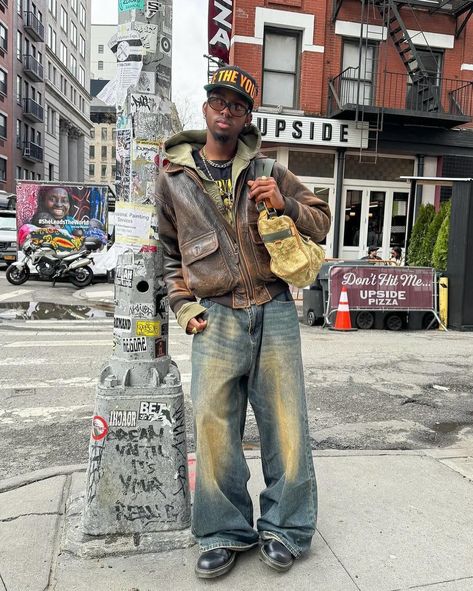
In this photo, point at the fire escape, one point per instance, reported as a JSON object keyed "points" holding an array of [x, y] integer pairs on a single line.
{"points": [[420, 95]]}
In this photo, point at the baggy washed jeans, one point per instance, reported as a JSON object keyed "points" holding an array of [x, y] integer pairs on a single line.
{"points": [[251, 354]]}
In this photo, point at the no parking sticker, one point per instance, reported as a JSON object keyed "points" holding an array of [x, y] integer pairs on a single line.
{"points": [[99, 428]]}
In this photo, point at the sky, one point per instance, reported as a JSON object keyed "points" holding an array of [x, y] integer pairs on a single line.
{"points": [[189, 68]]}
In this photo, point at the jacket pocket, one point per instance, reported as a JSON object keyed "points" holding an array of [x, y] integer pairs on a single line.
{"points": [[204, 267], [260, 253]]}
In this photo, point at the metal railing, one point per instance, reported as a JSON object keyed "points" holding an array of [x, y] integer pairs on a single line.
{"points": [[32, 151], [31, 107], [395, 91], [33, 67], [34, 26]]}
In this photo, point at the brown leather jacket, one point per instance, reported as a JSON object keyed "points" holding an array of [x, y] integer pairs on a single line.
{"points": [[204, 256]]}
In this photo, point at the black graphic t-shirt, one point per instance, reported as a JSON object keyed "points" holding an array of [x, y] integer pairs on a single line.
{"points": [[221, 191]]}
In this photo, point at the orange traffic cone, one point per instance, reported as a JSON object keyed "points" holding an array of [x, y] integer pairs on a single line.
{"points": [[343, 320]]}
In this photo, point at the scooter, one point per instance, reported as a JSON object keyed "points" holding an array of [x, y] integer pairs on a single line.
{"points": [[52, 265]]}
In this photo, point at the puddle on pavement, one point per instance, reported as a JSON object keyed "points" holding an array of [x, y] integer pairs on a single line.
{"points": [[450, 427], [49, 311]]}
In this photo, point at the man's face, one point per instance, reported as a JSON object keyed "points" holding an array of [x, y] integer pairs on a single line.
{"points": [[221, 123], [57, 203]]}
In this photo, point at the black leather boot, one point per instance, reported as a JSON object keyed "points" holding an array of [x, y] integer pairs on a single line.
{"points": [[215, 563], [276, 555]]}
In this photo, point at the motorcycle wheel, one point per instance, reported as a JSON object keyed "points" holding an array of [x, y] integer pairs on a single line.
{"points": [[82, 277], [17, 276]]}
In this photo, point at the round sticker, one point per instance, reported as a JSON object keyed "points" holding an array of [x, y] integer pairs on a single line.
{"points": [[99, 428]]}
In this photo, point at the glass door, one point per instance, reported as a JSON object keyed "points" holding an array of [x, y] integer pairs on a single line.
{"points": [[363, 222]]}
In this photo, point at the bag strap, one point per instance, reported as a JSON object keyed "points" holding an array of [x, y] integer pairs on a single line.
{"points": [[264, 167]]}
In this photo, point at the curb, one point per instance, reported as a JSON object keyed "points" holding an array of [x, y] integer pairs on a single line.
{"points": [[434, 453], [32, 477]]}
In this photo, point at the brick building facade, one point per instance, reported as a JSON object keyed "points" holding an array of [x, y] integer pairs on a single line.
{"points": [[354, 95]]}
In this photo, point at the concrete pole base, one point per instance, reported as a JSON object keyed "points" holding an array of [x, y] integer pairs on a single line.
{"points": [[82, 545]]}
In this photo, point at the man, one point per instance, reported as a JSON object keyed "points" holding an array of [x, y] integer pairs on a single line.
{"points": [[246, 342], [372, 254]]}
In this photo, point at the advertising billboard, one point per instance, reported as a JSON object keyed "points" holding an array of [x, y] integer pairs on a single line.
{"points": [[62, 215]]}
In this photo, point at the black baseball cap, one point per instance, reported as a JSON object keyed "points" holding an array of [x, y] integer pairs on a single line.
{"points": [[235, 79]]}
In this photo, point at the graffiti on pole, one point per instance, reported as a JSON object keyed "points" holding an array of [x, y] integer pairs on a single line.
{"points": [[122, 181]]}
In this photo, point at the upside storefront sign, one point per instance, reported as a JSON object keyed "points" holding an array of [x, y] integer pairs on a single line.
{"points": [[383, 288], [220, 28]]}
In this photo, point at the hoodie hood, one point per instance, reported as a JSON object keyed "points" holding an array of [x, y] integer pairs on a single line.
{"points": [[179, 147]]}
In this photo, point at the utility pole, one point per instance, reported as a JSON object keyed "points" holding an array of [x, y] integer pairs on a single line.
{"points": [[137, 484]]}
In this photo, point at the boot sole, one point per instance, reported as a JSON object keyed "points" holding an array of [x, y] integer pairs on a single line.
{"points": [[274, 564], [216, 572]]}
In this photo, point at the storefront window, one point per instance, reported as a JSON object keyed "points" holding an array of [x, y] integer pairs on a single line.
{"points": [[398, 219], [351, 236], [322, 193], [376, 218]]}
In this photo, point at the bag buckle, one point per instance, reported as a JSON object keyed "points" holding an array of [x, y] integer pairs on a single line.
{"points": [[262, 206]]}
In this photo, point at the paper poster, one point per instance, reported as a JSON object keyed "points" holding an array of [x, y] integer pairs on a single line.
{"points": [[132, 224]]}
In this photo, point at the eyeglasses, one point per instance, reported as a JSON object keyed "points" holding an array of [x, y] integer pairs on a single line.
{"points": [[236, 109]]}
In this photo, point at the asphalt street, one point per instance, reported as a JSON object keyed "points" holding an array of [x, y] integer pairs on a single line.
{"points": [[365, 390]]}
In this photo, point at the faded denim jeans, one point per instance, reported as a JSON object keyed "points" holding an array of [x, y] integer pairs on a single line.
{"points": [[251, 354]]}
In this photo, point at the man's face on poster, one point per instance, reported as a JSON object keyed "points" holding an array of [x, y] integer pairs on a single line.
{"points": [[57, 203]]}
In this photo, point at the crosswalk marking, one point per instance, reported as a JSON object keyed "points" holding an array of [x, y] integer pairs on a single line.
{"points": [[13, 294], [36, 344]]}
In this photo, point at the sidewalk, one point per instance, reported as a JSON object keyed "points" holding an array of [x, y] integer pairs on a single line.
{"points": [[388, 521]]}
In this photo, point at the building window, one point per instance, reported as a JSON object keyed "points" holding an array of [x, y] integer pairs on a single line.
{"points": [[64, 85], [73, 34], [99, 65], [19, 45], [19, 7], [73, 65], [52, 5], [281, 67], [64, 19], [18, 135], [74, 6], [92, 134], [100, 48], [63, 54], [114, 153], [92, 151], [91, 169], [51, 121], [114, 133], [104, 132], [82, 46], [3, 81], [103, 170], [19, 89], [114, 170], [104, 152], [3, 38], [82, 17], [82, 76], [18, 172], [3, 126], [357, 89], [52, 39], [3, 169]]}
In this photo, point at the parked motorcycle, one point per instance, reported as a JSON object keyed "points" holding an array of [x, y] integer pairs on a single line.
{"points": [[53, 265]]}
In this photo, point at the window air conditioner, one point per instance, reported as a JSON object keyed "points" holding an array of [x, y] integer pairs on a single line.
{"points": [[26, 151]]}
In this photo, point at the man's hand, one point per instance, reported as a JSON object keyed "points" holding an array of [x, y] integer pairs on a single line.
{"points": [[266, 189], [195, 325]]}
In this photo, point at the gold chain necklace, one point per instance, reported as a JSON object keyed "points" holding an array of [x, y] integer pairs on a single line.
{"points": [[227, 196]]}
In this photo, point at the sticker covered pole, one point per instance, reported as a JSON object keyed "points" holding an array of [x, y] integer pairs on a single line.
{"points": [[137, 474]]}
